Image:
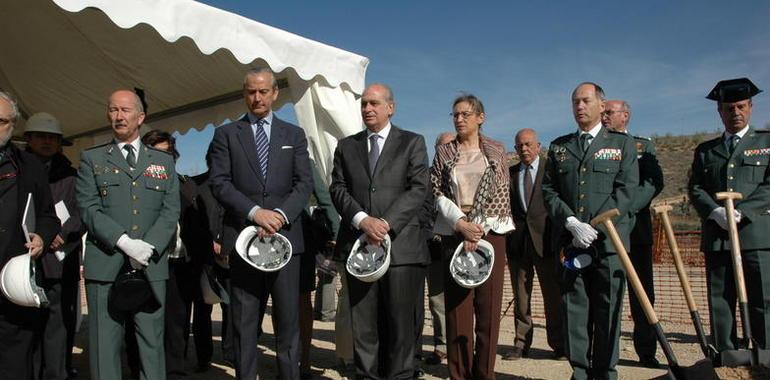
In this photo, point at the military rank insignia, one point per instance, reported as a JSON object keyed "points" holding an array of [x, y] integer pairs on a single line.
{"points": [[609, 154], [156, 171], [560, 153], [756, 152]]}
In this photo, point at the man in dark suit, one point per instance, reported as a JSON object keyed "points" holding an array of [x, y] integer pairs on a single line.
{"points": [[260, 173], [736, 161], [378, 185], [590, 171], [616, 115], [21, 174], [529, 249]]}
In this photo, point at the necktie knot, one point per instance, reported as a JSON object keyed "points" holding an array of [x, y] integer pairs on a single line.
{"points": [[734, 140], [585, 141]]}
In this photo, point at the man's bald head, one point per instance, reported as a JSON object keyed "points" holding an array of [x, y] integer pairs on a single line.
{"points": [[444, 137], [616, 115]]}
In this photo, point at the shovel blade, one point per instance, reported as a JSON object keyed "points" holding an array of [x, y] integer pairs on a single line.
{"points": [[701, 370], [734, 358]]}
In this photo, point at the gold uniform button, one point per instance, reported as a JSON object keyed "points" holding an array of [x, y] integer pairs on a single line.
{"points": [[134, 227], [582, 196], [730, 177], [116, 171], [581, 209], [758, 163], [134, 197], [104, 192], [133, 184], [583, 169], [732, 165], [157, 187], [729, 189], [136, 212], [582, 182]]}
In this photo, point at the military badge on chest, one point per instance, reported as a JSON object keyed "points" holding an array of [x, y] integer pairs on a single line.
{"points": [[560, 153], [156, 171], [609, 154], [639, 149]]}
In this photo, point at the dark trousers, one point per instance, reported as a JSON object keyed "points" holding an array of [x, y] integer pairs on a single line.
{"points": [[471, 349], [592, 307], [249, 298], [383, 319], [722, 297], [179, 296], [645, 340], [50, 352], [19, 330], [522, 265], [226, 330], [70, 302]]}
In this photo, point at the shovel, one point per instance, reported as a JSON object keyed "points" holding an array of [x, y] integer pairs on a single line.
{"points": [[702, 369], [708, 350], [742, 356]]}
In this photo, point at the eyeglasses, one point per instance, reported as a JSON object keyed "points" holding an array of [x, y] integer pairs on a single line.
{"points": [[610, 112], [464, 114], [4, 122]]}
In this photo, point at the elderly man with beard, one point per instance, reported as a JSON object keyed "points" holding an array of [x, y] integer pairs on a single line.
{"points": [[21, 174]]}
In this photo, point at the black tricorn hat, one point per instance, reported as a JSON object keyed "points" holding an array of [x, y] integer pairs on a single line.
{"points": [[733, 90]]}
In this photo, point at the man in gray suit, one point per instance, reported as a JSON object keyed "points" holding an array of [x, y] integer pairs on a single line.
{"points": [[378, 185], [529, 249], [260, 173]]}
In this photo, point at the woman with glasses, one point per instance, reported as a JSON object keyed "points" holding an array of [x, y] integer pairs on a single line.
{"points": [[470, 182]]}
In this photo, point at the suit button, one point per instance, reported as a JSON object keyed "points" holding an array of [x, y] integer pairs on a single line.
{"points": [[581, 209], [373, 189], [134, 227], [2, 230], [264, 194]]}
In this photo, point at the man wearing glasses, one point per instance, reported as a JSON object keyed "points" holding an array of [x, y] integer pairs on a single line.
{"points": [[615, 117]]}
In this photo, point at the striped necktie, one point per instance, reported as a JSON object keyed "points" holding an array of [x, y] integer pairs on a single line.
{"points": [[263, 146]]}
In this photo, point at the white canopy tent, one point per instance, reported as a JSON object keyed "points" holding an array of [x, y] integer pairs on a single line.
{"points": [[66, 56]]}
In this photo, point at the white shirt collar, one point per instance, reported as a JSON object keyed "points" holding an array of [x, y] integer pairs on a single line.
{"points": [[533, 165], [384, 132], [136, 144], [593, 131], [740, 133], [253, 118]]}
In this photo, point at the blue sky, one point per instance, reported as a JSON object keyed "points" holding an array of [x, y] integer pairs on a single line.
{"points": [[524, 58]]}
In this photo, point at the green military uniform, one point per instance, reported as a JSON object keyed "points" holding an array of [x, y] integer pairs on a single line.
{"points": [[584, 185], [143, 203], [650, 185], [744, 171]]}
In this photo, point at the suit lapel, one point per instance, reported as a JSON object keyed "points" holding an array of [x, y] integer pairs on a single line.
{"points": [[389, 150], [277, 138], [246, 138], [720, 149], [363, 152], [515, 185], [115, 157]]}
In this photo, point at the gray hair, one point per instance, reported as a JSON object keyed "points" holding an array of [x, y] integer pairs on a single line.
{"points": [[389, 96], [14, 106], [261, 70]]}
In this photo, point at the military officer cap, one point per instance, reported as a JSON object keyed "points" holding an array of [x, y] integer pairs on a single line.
{"points": [[733, 90]]}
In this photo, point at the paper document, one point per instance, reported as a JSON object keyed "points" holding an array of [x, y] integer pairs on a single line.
{"points": [[28, 220], [61, 212]]}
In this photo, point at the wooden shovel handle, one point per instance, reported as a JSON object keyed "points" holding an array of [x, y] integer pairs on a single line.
{"points": [[662, 212], [605, 219], [735, 245]]}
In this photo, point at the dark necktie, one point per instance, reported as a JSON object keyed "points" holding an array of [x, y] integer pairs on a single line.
{"points": [[263, 147], [374, 152], [527, 185], [734, 141], [585, 141], [130, 156]]}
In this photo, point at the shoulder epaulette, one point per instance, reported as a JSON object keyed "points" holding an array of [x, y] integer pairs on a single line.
{"points": [[99, 145], [645, 138]]}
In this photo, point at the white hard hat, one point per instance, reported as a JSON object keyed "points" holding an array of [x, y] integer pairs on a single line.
{"points": [[268, 254], [213, 292], [46, 123], [368, 262], [471, 269], [17, 280]]}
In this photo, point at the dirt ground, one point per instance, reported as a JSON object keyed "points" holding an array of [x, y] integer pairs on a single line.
{"points": [[537, 366]]}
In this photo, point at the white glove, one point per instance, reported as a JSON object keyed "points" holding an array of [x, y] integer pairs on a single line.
{"points": [[719, 215], [582, 233], [136, 249]]}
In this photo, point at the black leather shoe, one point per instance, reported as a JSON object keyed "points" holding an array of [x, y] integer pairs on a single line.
{"points": [[435, 357], [558, 355], [419, 373], [72, 373], [649, 362], [514, 354]]}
